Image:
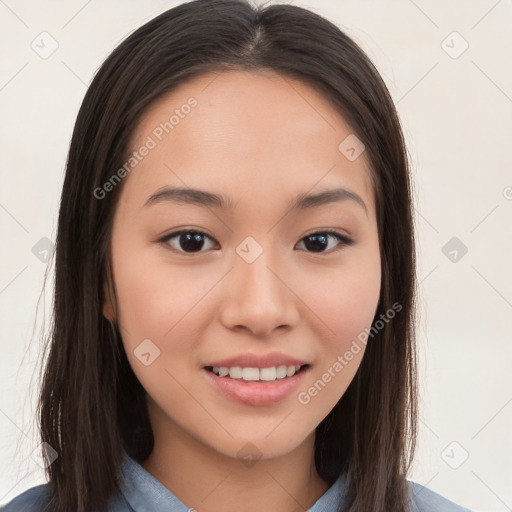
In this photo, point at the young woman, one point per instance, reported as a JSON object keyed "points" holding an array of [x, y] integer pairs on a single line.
{"points": [[235, 278]]}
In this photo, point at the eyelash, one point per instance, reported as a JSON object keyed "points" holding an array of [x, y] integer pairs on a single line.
{"points": [[342, 239]]}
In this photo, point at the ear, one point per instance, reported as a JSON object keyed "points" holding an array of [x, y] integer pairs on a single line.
{"points": [[109, 310]]}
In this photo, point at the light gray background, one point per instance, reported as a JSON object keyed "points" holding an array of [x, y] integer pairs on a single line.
{"points": [[456, 112]]}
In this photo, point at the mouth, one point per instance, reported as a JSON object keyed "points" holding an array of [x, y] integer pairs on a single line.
{"points": [[252, 374], [243, 387]]}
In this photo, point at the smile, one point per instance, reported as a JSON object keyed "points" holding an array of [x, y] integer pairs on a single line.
{"points": [[256, 374], [256, 392]]}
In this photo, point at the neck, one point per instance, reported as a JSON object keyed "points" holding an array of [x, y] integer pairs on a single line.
{"points": [[209, 481]]}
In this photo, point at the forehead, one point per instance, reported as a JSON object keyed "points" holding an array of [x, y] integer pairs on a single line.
{"points": [[246, 135]]}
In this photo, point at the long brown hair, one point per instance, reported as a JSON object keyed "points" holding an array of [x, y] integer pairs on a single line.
{"points": [[92, 408]]}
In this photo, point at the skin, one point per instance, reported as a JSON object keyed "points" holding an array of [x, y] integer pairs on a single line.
{"points": [[260, 139]]}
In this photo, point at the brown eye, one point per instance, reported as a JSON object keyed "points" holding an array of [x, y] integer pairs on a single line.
{"points": [[192, 241], [319, 241], [187, 241]]}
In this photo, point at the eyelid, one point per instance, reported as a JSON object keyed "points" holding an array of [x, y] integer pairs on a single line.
{"points": [[165, 239], [343, 239]]}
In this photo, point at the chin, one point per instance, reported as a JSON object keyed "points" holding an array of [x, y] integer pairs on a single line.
{"points": [[260, 446]]}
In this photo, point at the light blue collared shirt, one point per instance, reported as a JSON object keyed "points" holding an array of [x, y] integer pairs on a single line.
{"points": [[142, 492]]}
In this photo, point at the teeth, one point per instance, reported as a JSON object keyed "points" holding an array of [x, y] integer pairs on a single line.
{"points": [[257, 374]]}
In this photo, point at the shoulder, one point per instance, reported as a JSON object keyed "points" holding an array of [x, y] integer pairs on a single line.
{"points": [[34, 499], [426, 500]]}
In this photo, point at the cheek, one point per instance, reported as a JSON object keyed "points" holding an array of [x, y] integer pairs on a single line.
{"points": [[344, 297], [154, 298], [159, 303], [350, 306], [341, 352], [344, 302], [167, 304]]}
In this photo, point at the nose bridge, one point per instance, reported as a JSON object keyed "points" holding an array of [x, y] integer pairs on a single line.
{"points": [[257, 296], [255, 269]]}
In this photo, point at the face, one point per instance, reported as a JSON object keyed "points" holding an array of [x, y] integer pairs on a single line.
{"points": [[253, 276]]}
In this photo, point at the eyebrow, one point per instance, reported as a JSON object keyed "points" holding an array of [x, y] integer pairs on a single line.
{"points": [[208, 199]]}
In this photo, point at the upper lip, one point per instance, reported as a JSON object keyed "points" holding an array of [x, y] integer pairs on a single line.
{"points": [[259, 361]]}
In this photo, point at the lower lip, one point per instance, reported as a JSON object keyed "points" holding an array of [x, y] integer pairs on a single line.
{"points": [[256, 392]]}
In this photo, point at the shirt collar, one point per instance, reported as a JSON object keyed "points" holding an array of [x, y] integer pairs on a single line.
{"points": [[145, 493]]}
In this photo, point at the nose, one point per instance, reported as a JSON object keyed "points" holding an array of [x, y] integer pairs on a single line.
{"points": [[258, 298]]}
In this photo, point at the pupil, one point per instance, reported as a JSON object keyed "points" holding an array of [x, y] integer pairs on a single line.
{"points": [[191, 242], [319, 243]]}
